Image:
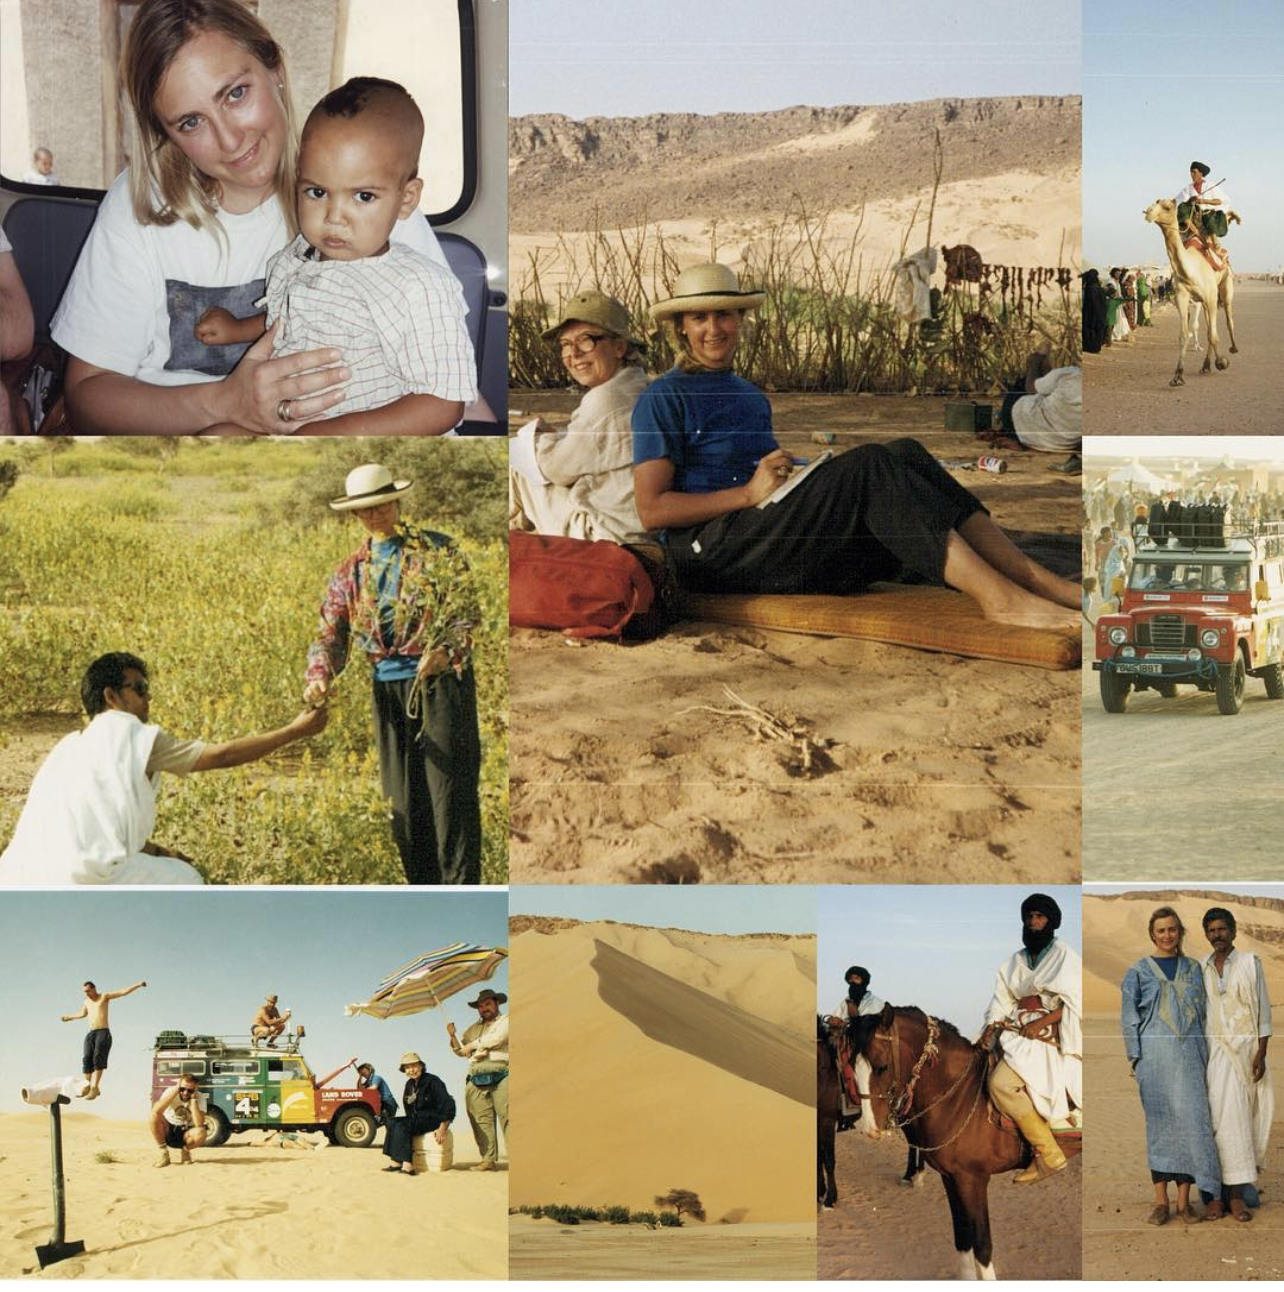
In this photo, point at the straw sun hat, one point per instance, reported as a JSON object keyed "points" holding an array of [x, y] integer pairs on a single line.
{"points": [[368, 486], [706, 287]]}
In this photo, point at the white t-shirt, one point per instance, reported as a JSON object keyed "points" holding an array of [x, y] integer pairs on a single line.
{"points": [[138, 290], [1188, 194], [35, 177]]}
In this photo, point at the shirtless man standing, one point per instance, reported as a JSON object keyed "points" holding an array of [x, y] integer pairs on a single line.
{"points": [[98, 1038]]}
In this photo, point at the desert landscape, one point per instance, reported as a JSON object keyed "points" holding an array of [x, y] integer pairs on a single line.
{"points": [[941, 769], [250, 1210], [1126, 389], [660, 1059], [724, 180], [1117, 1242]]}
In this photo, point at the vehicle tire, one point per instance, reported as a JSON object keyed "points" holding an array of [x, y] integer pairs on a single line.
{"points": [[1230, 687], [354, 1128], [1273, 676], [217, 1128], [1167, 689], [1114, 692]]}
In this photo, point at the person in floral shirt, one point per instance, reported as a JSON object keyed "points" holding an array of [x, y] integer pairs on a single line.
{"points": [[406, 599]]}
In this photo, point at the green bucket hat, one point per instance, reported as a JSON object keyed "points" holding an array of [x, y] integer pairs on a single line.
{"points": [[599, 309]]}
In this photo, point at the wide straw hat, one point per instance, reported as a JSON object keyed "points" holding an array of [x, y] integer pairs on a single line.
{"points": [[707, 287], [368, 486], [408, 1058], [598, 309]]}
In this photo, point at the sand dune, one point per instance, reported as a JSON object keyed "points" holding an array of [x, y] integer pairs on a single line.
{"points": [[244, 1211], [1114, 937], [615, 1101]]}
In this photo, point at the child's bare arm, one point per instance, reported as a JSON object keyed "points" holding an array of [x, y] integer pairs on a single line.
{"points": [[219, 327], [409, 415]]}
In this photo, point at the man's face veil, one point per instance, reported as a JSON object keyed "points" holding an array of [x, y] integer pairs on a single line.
{"points": [[1035, 940], [856, 990]]}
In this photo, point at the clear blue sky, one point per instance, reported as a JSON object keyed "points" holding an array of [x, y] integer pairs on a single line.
{"points": [[1211, 91], [937, 947], [209, 960], [736, 908], [633, 57]]}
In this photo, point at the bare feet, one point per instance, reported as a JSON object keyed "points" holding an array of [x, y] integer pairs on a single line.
{"points": [[1025, 610]]}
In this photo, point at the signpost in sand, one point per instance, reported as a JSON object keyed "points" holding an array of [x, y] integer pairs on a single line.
{"points": [[57, 1248]]}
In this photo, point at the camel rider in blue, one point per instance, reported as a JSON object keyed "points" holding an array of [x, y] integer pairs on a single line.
{"points": [[858, 1001], [1201, 202]]}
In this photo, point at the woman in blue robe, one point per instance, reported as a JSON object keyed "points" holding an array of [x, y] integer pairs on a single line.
{"points": [[1163, 1028]]}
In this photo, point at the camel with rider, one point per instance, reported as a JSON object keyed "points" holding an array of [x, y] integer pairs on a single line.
{"points": [[1195, 280]]}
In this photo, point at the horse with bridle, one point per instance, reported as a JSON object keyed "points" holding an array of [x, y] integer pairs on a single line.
{"points": [[931, 1082]]}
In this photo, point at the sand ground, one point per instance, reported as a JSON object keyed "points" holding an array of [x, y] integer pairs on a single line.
{"points": [[242, 1211], [1117, 1241], [882, 1229], [945, 768], [542, 1249], [1222, 770], [1126, 389]]}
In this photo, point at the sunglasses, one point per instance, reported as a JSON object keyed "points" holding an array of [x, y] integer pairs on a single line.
{"points": [[141, 689]]}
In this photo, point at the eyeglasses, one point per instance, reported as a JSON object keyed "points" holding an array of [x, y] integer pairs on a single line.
{"points": [[141, 689], [583, 344]]}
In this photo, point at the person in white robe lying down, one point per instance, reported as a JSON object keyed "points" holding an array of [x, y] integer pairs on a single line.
{"points": [[89, 814]]}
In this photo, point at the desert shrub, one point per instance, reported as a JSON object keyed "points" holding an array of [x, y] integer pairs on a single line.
{"points": [[647, 1218], [828, 323], [223, 617], [104, 1157], [670, 1220], [616, 1215]]}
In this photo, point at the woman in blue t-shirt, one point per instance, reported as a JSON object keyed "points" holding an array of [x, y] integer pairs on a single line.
{"points": [[705, 459]]}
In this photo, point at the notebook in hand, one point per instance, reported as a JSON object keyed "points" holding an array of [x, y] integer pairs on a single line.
{"points": [[785, 486]]}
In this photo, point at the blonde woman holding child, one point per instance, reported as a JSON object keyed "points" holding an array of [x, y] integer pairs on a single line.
{"points": [[209, 199]]}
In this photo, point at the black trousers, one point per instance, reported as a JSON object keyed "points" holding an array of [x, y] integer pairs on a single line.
{"points": [[397, 1140], [879, 512], [429, 767]]}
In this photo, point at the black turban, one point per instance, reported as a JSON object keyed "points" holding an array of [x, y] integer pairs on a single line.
{"points": [[1042, 903], [864, 973], [1201, 168]]}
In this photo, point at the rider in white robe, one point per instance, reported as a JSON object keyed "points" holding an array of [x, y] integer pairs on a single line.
{"points": [[90, 812], [1239, 1016]]}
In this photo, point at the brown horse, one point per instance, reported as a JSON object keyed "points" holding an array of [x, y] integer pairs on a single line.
{"points": [[931, 1082]]}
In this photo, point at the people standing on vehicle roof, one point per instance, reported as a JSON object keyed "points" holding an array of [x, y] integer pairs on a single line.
{"points": [[269, 1023], [178, 1120], [89, 814], [98, 1038], [209, 198], [429, 1109], [485, 1046], [369, 1079]]}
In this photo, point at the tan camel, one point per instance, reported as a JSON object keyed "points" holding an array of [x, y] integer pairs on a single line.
{"points": [[1195, 280]]}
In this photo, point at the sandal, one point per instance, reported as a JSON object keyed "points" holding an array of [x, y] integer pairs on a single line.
{"points": [[1215, 1210], [1159, 1216], [1189, 1216], [393, 1167], [1238, 1210]]}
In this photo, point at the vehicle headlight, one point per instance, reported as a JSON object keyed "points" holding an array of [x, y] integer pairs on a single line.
{"points": [[1128, 652], [1209, 637], [1117, 636], [1193, 654]]}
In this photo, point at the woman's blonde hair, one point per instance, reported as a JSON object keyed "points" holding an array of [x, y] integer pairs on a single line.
{"points": [[1163, 913], [159, 169], [686, 361]]}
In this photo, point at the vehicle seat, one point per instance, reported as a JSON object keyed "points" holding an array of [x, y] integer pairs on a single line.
{"points": [[47, 234]]}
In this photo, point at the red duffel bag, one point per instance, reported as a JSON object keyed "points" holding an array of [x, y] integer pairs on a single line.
{"points": [[580, 588]]}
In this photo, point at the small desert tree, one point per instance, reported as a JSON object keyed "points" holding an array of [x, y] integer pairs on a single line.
{"points": [[683, 1202]]}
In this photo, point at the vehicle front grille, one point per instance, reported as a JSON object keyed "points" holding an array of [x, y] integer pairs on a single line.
{"points": [[1166, 632]]}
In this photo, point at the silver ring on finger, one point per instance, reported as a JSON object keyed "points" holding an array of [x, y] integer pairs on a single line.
{"points": [[283, 411]]}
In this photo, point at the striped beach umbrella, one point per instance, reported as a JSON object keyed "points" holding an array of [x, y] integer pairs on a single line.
{"points": [[429, 979]]}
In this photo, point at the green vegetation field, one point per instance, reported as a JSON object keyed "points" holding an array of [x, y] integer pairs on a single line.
{"points": [[209, 560]]}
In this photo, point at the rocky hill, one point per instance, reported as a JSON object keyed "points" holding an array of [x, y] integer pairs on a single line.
{"points": [[744, 165]]}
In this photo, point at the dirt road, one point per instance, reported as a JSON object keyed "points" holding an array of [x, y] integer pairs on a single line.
{"points": [[1172, 786], [1126, 389], [881, 1229]]}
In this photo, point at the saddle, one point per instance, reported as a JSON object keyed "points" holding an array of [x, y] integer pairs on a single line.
{"points": [[1205, 245]]}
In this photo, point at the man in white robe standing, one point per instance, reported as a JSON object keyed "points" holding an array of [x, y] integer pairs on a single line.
{"points": [[1240, 1093], [1037, 1016], [89, 814]]}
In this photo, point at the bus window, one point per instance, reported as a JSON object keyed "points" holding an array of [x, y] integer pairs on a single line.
{"points": [[60, 95]]}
